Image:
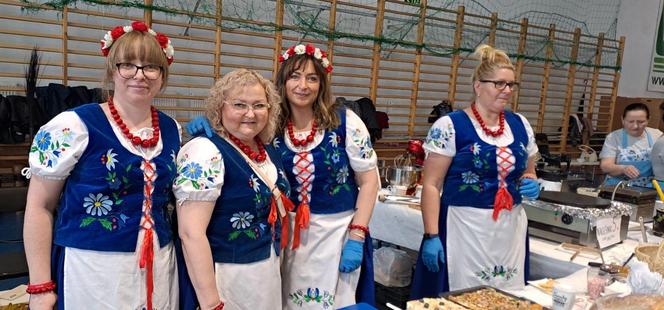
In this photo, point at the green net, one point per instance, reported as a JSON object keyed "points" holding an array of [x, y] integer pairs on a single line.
{"points": [[355, 23]]}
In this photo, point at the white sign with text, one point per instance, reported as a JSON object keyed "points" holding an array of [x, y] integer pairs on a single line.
{"points": [[608, 231]]}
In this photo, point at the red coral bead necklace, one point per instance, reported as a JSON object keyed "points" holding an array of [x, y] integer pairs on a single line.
{"points": [[135, 140], [489, 132], [259, 156], [303, 142]]}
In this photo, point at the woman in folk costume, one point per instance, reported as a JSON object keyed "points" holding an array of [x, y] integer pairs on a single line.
{"points": [[328, 155], [229, 190], [484, 157], [107, 169], [626, 152]]}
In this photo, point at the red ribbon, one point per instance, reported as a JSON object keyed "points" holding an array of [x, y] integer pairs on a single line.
{"points": [[146, 261], [301, 222], [503, 200]]}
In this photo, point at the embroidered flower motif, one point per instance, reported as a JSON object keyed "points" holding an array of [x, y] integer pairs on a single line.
{"points": [[439, 138], [470, 177], [313, 295], [335, 157], [477, 162], [334, 139], [97, 205], [498, 271], [475, 148], [342, 174], [241, 220], [523, 147], [43, 140], [109, 159], [192, 170], [363, 142], [49, 146], [113, 181], [276, 142], [253, 183]]}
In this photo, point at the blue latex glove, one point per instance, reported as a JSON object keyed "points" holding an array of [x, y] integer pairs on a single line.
{"points": [[529, 188], [199, 124], [351, 255], [432, 253]]}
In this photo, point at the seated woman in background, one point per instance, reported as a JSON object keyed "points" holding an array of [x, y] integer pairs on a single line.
{"points": [[227, 216], [107, 168], [626, 151]]}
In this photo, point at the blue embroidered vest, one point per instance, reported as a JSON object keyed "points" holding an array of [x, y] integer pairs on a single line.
{"points": [[238, 231], [472, 179], [102, 201], [334, 189]]}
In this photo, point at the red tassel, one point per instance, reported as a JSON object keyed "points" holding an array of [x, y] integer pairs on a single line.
{"points": [[503, 200], [285, 225], [301, 222], [146, 261]]}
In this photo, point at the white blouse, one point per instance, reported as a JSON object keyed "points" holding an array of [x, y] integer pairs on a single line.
{"points": [[59, 144], [360, 152], [200, 172], [445, 142]]}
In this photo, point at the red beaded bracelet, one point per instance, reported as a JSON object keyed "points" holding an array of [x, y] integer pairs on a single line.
{"points": [[365, 229], [220, 306], [40, 288]]}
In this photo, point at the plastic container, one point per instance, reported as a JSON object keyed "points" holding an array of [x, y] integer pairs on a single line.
{"points": [[597, 280], [563, 297]]}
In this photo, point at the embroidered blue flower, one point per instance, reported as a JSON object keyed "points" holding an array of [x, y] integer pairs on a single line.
{"points": [[342, 174], [43, 140], [192, 170], [241, 220], [470, 177], [439, 138], [477, 162], [475, 148], [434, 134], [335, 157], [110, 160], [97, 205]]}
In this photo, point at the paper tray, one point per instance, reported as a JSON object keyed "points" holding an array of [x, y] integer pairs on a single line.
{"points": [[481, 287]]}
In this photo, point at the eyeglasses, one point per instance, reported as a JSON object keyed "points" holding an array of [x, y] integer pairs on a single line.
{"points": [[500, 85], [244, 108], [129, 70]]}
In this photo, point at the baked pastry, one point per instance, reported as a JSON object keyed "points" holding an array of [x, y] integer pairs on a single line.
{"points": [[630, 302]]}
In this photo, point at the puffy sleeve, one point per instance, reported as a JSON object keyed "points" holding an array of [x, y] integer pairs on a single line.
{"points": [[57, 146], [358, 144], [611, 146], [200, 172], [441, 139], [531, 148]]}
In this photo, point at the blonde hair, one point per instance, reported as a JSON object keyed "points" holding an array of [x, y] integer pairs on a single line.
{"points": [[234, 81], [324, 107], [135, 45], [491, 59]]}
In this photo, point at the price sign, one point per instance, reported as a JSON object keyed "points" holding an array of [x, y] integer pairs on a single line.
{"points": [[608, 231]]}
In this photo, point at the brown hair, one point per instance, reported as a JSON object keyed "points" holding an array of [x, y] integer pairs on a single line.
{"points": [[233, 81], [491, 59], [135, 45], [324, 107]]}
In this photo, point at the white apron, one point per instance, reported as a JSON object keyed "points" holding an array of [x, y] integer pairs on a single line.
{"points": [[113, 280], [311, 277], [250, 286], [481, 251]]}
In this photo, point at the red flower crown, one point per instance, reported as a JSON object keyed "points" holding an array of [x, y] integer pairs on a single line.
{"points": [[310, 50], [117, 32]]}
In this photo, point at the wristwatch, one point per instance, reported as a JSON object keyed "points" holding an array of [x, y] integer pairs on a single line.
{"points": [[429, 236]]}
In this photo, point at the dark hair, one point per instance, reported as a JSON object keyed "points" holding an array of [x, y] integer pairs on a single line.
{"points": [[637, 106], [324, 108]]}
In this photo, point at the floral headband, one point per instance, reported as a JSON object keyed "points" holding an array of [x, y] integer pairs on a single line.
{"points": [[309, 50], [117, 32]]}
